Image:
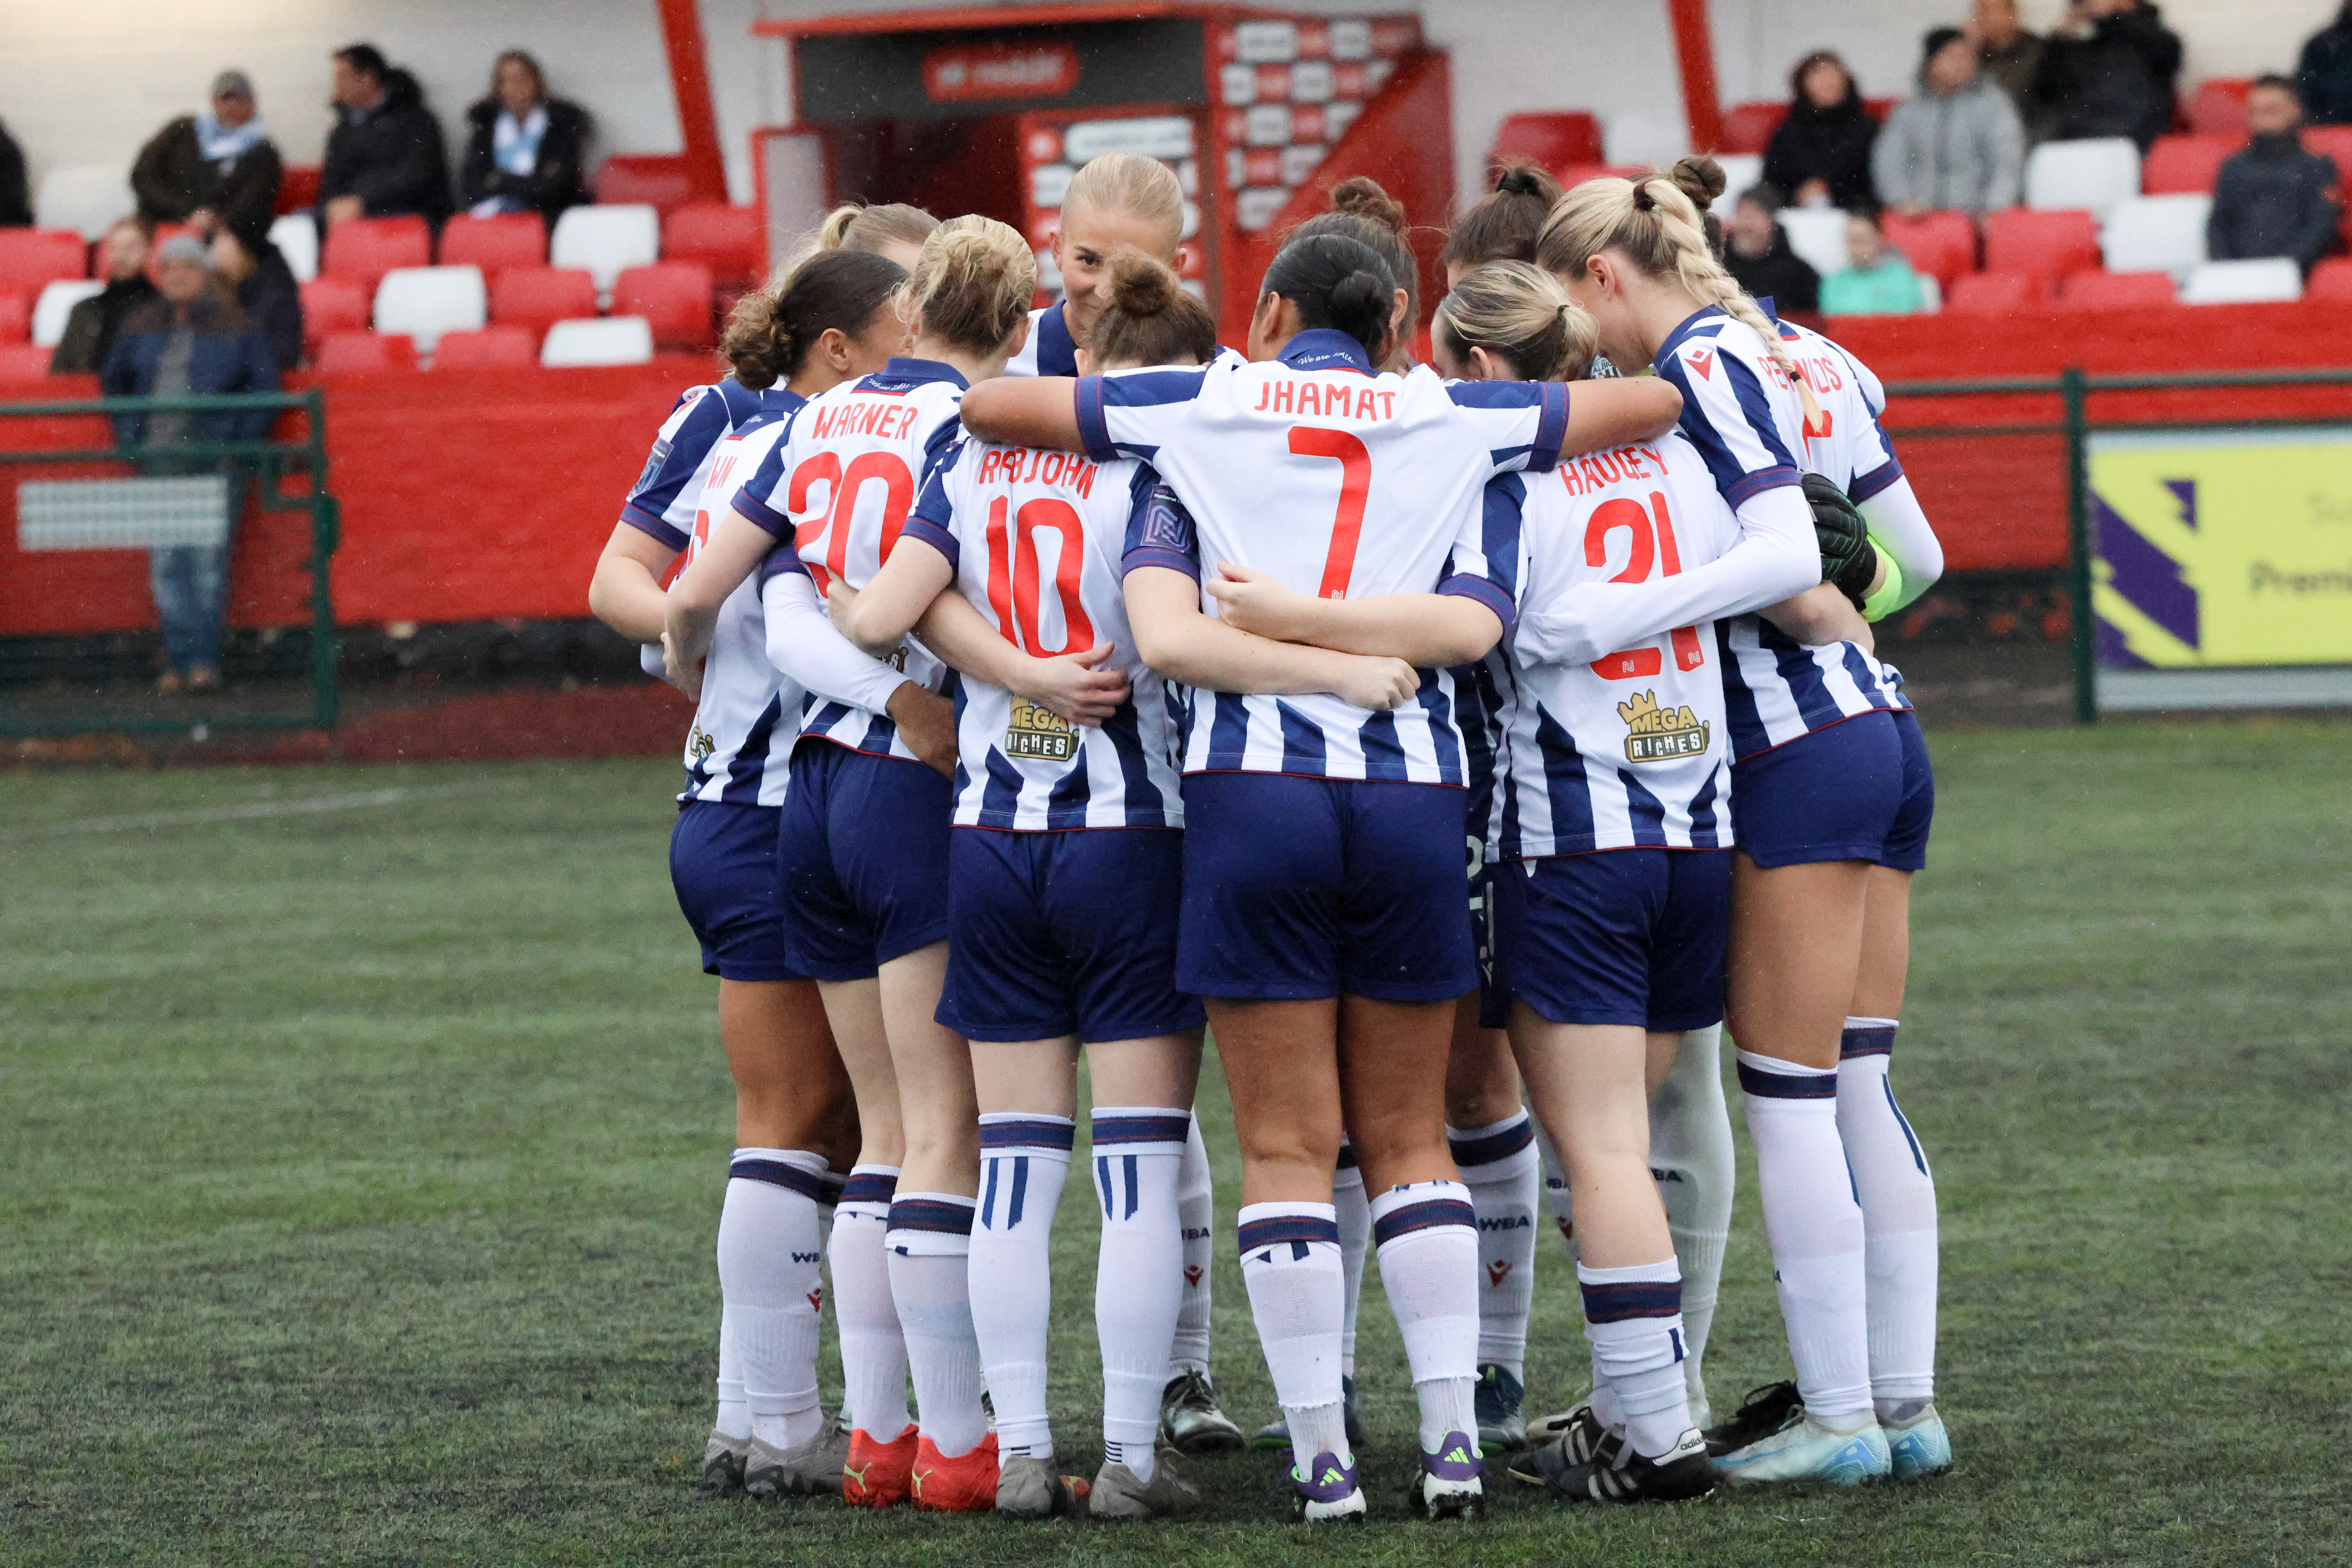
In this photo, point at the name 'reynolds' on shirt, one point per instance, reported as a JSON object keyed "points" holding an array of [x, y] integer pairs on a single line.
{"points": [[1034, 539], [836, 493], [1339, 483]]}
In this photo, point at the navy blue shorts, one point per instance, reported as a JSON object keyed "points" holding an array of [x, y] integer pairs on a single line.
{"points": [[1299, 887], [1635, 937], [1059, 934], [861, 858], [1833, 794], [1906, 844], [722, 861]]}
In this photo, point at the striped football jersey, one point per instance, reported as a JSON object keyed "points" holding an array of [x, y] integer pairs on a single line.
{"points": [[1034, 539], [662, 501], [1742, 413], [1049, 349], [836, 493], [1340, 483], [1626, 750]]}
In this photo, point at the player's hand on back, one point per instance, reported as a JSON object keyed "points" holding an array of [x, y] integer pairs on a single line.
{"points": [[1377, 685], [684, 674], [840, 604], [1255, 601], [926, 724], [1074, 687]]}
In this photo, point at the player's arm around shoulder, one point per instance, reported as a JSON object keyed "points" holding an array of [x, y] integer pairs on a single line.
{"points": [[1619, 411]]}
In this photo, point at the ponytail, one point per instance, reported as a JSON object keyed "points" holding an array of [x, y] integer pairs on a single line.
{"points": [[771, 331], [1656, 224], [1504, 223], [973, 283], [1337, 283], [851, 227], [1363, 212], [1523, 315]]}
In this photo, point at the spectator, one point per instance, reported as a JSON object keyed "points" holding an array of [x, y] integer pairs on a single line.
{"points": [[1755, 253], [91, 325], [1958, 144], [525, 150], [15, 195], [1821, 153], [191, 341], [384, 156], [1879, 283], [2274, 198], [263, 286], [2325, 73], [2109, 71], [210, 169]]}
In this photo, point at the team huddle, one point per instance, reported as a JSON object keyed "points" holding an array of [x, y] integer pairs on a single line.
{"points": [[1068, 681]]}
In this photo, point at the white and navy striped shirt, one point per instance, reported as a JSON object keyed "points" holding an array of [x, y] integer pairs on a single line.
{"points": [[1627, 750], [661, 503], [1049, 349], [744, 727], [1742, 413], [838, 491], [1035, 539], [1340, 483]]}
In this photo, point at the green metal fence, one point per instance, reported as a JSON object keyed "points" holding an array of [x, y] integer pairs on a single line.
{"points": [[2074, 390], [263, 468]]}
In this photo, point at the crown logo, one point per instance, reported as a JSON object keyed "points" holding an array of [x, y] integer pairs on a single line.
{"points": [[1655, 734]]}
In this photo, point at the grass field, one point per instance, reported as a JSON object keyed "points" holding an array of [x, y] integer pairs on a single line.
{"points": [[358, 1166]]}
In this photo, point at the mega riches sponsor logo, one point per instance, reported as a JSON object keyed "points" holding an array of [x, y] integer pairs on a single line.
{"points": [[1655, 734]]}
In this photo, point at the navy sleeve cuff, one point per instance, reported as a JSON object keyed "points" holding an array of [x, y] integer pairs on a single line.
{"points": [[1550, 430], [1160, 555], [647, 524], [932, 534], [756, 511], [1750, 486], [1463, 585], [1878, 479], [1094, 429], [781, 561]]}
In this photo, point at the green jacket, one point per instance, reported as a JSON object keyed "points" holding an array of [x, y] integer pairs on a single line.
{"points": [[1889, 288]]}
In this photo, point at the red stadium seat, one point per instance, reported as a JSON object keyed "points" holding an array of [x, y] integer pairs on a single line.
{"points": [[299, 188], [1748, 127], [23, 362], [2093, 289], [2185, 165], [354, 353], [1577, 174], [730, 241], [536, 297], [1942, 244], [365, 248], [1991, 293], [2219, 106], [2048, 245], [490, 346], [2330, 281], [334, 305], [674, 297], [32, 259], [495, 243], [16, 317], [2336, 143], [1547, 141], [658, 180]]}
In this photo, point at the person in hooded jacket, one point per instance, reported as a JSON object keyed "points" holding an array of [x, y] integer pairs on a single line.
{"points": [[527, 150], [1821, 153], [2110, 69], [385, 155], [1958, 144]]}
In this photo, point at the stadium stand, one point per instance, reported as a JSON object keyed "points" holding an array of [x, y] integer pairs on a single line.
{"points": [[31, 259], [16, 319], [2185, 165], [490, 347], [425, 301], [24, 361], [674, 298], [56, 303], [1817, 235], [2155, 234], [1548, 140], [1748, 127], [1740, 172], [2046, 245], [659, 181], [2092, 176], [333, 305], [606, 239], [535, 297], [84, 198], [365, 248], [1939, 245], [494, 243], [296, 235], [2331, 281], [363, 353], [298, 188], [2218, 108], [1981, 293], [730, 241], [607, 340], [2242, 282], [2096, 289]]}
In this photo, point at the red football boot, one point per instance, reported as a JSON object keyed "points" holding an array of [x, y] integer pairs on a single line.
{"points": [[965, 1484], [877, 1475]]}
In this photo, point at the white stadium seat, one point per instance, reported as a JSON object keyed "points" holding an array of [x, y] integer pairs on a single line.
{"points": [[1818, 234], [57, 302], [296, 235], [2155, 234], [1931, 295], [1741, 171], [427, 301], [2093, 175], [604, 340], [2243, 283], [605, 240], [85, 199]]}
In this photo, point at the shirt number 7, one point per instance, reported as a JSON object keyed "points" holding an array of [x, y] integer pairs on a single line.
{"points": [[1355, 488]]}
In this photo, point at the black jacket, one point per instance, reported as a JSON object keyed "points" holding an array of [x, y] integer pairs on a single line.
{"points": [[2117, 83], [172, 178], [554, 181], [2324, 77], [1780, 275], [15, 195], [272, 302], [2274, 199], [1831, 144], [390, 157], [91, 325]]}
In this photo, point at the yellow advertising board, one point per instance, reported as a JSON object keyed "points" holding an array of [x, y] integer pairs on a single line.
{"points": [[2222, 547]]}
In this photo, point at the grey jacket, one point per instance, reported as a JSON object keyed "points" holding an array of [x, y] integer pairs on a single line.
{"points": [[1966, 152]]}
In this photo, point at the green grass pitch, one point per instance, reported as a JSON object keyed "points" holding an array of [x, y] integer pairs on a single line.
{"points": [[358, 1170]]}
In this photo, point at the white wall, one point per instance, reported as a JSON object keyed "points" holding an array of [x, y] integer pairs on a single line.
{"points": [[88, 81]]}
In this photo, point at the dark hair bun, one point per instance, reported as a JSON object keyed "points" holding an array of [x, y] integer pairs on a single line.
{"points": [[1700, 178], [1520, 180], [1364, 197], [1360, 304], [1140, 286]]}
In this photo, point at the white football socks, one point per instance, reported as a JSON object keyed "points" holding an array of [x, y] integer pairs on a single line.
{"points": [[1633, 1315], [1354, 1217], [1898, 1217], [1691, 1155], [930, 1279], [1138, 1152], [1815, 1228], [1196, 1212], [1554, 1190], [1428, 1239], [1290, 1263], [1023, 1161], [873, 1348], [770, 1279], [1498, 1163]]}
